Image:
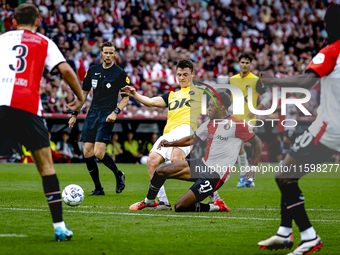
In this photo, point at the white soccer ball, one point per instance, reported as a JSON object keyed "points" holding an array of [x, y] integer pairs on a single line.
{"points": [[73, 195]]}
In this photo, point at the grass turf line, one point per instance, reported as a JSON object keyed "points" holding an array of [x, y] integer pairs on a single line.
{"points": [[105, 233]]}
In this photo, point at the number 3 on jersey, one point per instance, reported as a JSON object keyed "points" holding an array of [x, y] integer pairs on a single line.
{"points": [[21, 63]]}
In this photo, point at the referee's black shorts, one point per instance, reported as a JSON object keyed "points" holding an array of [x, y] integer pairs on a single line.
{"points": [[95, 128], [23, 127]]}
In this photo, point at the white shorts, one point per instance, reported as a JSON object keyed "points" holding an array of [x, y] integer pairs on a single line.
{"points": [[175, 134]]}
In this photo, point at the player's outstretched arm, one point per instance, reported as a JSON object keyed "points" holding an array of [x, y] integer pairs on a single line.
{"points": [[71, 78], [306, 80], [155, 101], [185, 141], [257, 148]]}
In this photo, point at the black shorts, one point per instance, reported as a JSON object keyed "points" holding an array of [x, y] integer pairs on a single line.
{"points": [[23, 127], [306, 150], [95, 128], [206, 182]]}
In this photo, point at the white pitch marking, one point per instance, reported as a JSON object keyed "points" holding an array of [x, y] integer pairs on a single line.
{"points": [[12, 235], [249, 209], [160, 215]]}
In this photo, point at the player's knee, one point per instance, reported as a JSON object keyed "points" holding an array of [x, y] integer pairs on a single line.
{"points": [[151, 162], [282, 181], [99, 154], [180, 207], [176, 158], [161, 171], [88, 153]]}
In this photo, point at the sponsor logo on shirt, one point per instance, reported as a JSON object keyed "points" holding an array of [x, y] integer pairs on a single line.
{"points": [[319, 58]]}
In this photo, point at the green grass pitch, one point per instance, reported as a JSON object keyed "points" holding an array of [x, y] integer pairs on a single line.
{"points": [[104, 225]]}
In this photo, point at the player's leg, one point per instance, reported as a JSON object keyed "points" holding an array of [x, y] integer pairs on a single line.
{"points": [[34, 137], [156, 157], [243, 164], [177, 154], [201, 189], [177, 170], [92, 167], [99, 152], [292, 199], [43, 160]]}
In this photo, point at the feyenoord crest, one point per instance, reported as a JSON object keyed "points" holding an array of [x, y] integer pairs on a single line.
{"points": [[226, 126], [108, 85]]}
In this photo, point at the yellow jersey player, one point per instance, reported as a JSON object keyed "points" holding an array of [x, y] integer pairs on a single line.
{"points": [[243, 81], [184, 107]]}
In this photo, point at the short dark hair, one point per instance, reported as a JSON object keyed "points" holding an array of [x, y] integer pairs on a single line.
{"points": [[332, 21], [108, 44], [246, 56], [184, 64], [225, 98], [26, 14]]}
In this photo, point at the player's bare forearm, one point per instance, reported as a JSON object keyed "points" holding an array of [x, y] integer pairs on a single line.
{"points": [[155, 101], [306, 80], [71, 78], [185, 141], [260, 107], [257, 148], [84, 94]]}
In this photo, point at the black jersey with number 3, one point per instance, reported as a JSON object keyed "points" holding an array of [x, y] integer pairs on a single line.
{"points": [[106, 84]]}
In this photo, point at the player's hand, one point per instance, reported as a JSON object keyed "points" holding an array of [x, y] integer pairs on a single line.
{"points": [[128, 90], [73, 106], [72, 121], [163, 143], [250, 174], [250, 115], [267, 78], [112, 117]]}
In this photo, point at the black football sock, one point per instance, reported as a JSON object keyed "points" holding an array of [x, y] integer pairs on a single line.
{"points": [[196, 207], [108, 161], [92, 167], [294, 203], [53, 196], [154, 186], [286, 219]]}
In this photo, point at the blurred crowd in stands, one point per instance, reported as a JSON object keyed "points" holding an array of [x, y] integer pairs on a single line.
{"points": [[151, 37]]}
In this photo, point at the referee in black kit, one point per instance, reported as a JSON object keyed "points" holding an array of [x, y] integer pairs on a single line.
{"points": [[106, 80]]}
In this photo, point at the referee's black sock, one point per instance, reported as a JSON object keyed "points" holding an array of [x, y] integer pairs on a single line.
{"points": [[52, 193], [108, 161], [92, 167], [154, 186], [293, 203]]}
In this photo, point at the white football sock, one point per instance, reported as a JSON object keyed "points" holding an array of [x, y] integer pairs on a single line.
{"points": [[214, 208], [284, 231], [60, 224], [149, 201], [243, 163], [162, 196], [308, 234]]}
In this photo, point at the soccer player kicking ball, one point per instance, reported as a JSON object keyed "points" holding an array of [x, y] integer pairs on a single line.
{"points": [[225, 135], [184, 107], [316, 145]]}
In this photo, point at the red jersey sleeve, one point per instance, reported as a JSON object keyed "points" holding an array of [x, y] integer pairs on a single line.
{"points": [[324, 62], [242, 132]]}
